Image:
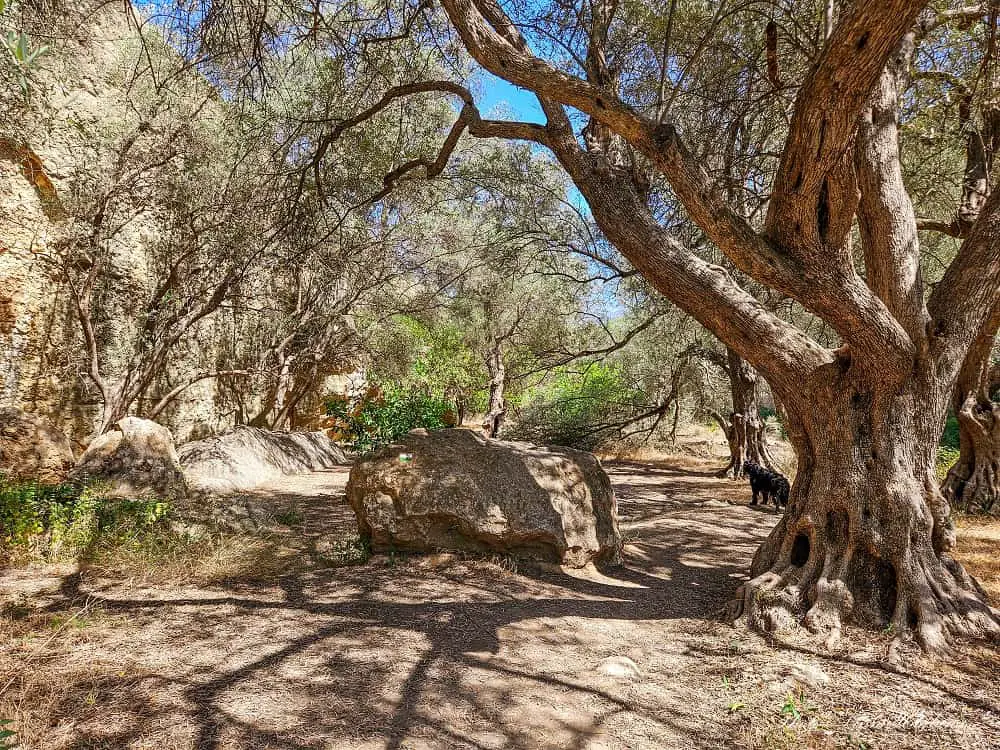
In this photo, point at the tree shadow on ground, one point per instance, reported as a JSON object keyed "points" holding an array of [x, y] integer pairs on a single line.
{"points": [[454, 642], [457, 655]]}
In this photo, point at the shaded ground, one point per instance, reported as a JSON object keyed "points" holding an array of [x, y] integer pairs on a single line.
{"points": [[440, 652]]}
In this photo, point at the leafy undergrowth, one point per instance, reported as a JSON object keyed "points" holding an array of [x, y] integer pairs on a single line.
{"points": [[133, 538], [53, 522]]}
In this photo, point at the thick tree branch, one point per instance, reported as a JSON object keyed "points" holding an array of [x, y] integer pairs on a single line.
{"points": [[498, 48], [826, 114], [886, 219], [707, 292], [837, 294], [953, 228]]}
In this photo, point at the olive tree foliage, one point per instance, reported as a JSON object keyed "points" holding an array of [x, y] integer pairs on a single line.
{"points": [[159, 209], [190, 251], [502, 283], [869, 539]]}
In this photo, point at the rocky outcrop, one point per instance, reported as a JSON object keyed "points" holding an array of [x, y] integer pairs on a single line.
{"points": [[59, 149], [456, 490], [248, 456], [135, 459], [32, 448]]}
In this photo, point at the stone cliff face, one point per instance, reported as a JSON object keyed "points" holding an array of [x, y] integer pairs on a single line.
{"points": [[49, 146], [36, 322]]}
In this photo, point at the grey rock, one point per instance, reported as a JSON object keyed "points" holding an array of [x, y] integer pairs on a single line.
{"points": [[248, 457], [457, 490]]}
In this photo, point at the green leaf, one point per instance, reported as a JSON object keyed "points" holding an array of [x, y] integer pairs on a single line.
{"points": [[7, 735], [23, 47]]}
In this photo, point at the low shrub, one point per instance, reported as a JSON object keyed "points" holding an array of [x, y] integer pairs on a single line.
{"points": [[382, 416], [68, 519], [578, 410]]}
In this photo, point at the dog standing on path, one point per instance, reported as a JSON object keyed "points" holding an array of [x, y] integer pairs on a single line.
{"points": [[768, 485]]}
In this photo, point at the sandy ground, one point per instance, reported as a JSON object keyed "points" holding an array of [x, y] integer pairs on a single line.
{"points": [[441, 652]]}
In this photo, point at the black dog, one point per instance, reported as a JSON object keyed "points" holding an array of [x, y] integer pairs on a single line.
{"points": [[769, 485], [779, 490]]}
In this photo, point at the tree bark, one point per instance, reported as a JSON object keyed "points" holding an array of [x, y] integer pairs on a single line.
{"points": [[746, 433], [973, 483], [497, 409], [867, 534], [981, 146]]}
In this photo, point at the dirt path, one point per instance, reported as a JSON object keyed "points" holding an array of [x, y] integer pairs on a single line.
{"points": [[438, 652]]}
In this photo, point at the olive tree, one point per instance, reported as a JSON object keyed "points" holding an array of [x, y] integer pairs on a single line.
{"points": [[867, 534]]}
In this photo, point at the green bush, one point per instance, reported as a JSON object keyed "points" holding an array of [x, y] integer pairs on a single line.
{"points": [[946, 458], [383, 417], [576, 409], [69, 519]]}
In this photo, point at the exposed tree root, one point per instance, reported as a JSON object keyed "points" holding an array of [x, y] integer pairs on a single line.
{"points": [[822, 578]]}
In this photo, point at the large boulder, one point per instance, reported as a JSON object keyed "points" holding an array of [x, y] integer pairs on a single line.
{"points": [[32, 448], [136, 458], [457, 490], [247, 457]]}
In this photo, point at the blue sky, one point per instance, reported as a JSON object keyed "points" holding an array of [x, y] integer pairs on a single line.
{"points": [[502, 100]]}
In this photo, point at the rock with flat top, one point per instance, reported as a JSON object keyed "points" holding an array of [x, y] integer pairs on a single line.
{"points": [[457, 490]]}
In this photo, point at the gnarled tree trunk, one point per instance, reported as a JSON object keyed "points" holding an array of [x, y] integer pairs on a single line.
{"points": [[973, 483], [745, 430], [867, 534]]}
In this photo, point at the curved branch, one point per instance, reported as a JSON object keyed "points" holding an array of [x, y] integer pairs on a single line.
{"points": [[784, 354], [826, 114], [495, 44], [469, 119], [835, 293]]}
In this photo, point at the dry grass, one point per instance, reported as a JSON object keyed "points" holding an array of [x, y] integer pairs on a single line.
{"points": [[37, 684], [978, 549], [203, 562]]}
